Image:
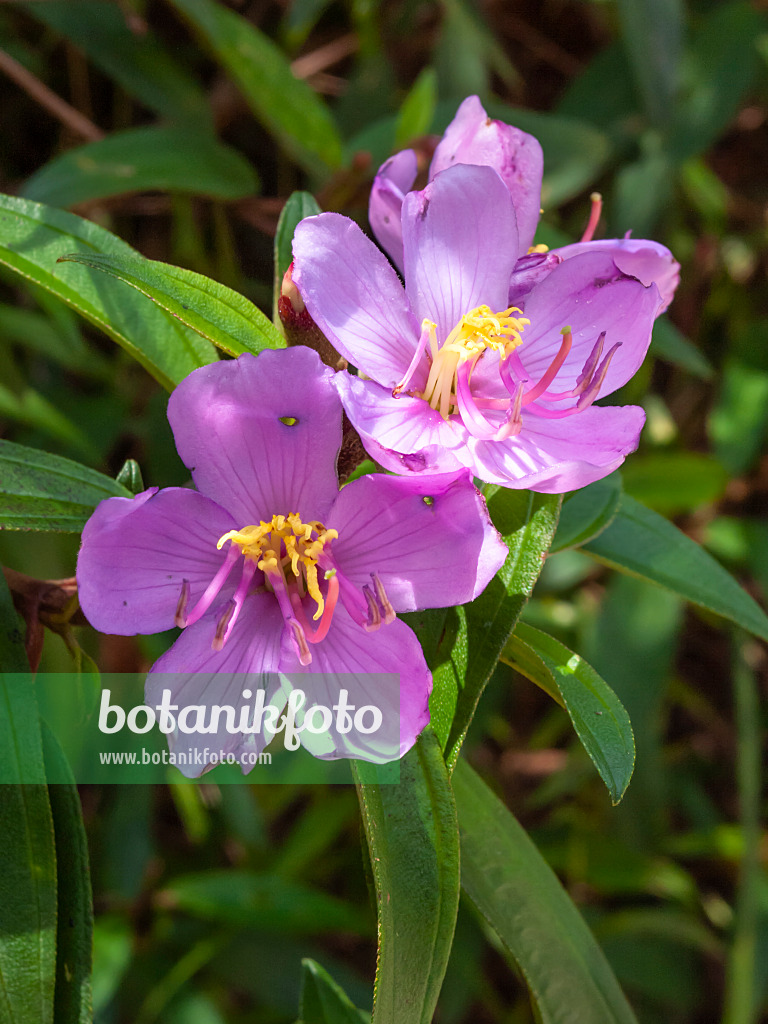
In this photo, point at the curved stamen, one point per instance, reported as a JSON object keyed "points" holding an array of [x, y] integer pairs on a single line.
{"points": [[554, 368], [597, 381], [213, 588], [585, 377], [505, 373], [316, 635], [374, 612], [428, 334], [299, 642], [513, 423], [384, 603], [586, 399], [473, 419], [594, 217], [229, 618], [181, 607]]}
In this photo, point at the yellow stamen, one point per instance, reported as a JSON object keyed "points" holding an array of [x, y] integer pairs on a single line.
{"points": [[478, 330], [285, 542], [540, 248]]}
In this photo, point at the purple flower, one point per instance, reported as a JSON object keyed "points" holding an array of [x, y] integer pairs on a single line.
{"points": [[455, 374], [269, 568], [474, 138]]}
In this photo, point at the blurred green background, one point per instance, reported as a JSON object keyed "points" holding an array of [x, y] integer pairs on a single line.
{"points": [[183, 126]]}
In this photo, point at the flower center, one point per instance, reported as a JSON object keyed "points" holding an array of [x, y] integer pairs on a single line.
{"points": [[285, 544], [291, 554], [448, 388], [477, 331]]}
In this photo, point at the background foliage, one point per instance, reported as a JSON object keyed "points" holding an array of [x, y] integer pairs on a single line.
{"points": [[183, 126]]}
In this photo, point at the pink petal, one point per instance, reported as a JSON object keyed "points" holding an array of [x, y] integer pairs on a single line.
{"points": [[427, 554], [554, 456], [589, 294], [228, 423], [474, 138], [460, 240], [369, 666], [393, 180], [137, 552], [405, 425], [355, 297]]}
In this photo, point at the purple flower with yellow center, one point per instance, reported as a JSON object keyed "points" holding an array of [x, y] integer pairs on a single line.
{"points": [[474, 138], [268, 567], [451, 372]]}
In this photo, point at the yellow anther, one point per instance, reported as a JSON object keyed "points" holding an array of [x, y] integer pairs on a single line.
{"points": [[540, 248], [478, 330], [285, 542]]}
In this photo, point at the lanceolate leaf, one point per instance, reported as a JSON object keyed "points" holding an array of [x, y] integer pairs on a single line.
{"points": [[155, 158], [323, 1001], [134, 59], [39, 491], [645, 544], [223, 316], [74, 932], [466, 644], [33, 237], [598, 716], [413, 842], [516, 891], [586, 513], [285, 105], [27, 857]]}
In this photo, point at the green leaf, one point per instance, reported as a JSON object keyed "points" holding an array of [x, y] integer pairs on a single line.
{"points": [[323, 1001], [633, 642], [652, 31], [39, 491], [598, 716], [28, 860], [134, 59], [738, 423], [642, 192], [74, 932], [674, 482], [470, 647], [418, 109], [33, 237], [298, 206], [718, 68], [263, 901], [287, 107], [603, 93], [29, 407], [673, 347], [586, 513], [154, 158], [644, 544], [413, 843], [56, 340], [517, 893], [219, 314]]}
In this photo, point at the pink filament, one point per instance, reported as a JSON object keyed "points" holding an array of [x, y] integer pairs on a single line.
{"points": [[230, 616], [554, 368], [471, 416], [331, 598], [594, 217], [425, 332], [213, 587]]}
